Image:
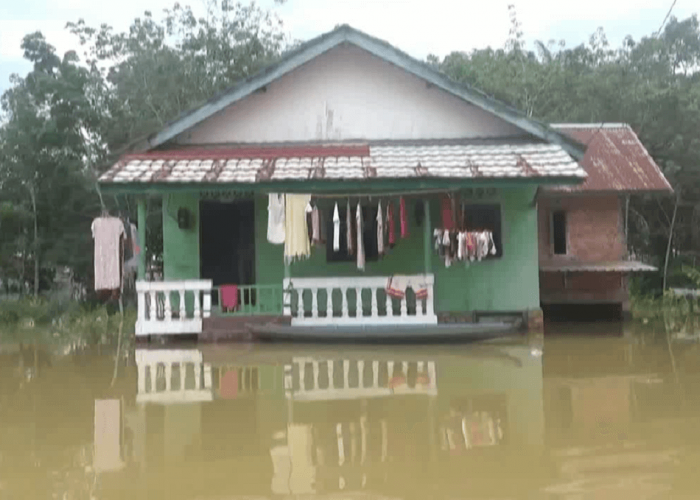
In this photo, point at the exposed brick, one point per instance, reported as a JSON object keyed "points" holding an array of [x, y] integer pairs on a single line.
{"points": [[594, 225]]}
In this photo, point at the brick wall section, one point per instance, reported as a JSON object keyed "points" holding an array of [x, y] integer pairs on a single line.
{"points": [[595, 228]]}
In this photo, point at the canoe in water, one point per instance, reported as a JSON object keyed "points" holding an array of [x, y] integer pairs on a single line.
{"points": [[453, 332]]}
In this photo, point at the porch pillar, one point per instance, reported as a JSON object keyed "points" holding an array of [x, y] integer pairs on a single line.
{"points": [[141, 216], [427, 238]]}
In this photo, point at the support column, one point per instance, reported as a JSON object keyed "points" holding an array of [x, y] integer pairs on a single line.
{"points": [[141, 206], [427, 238]]}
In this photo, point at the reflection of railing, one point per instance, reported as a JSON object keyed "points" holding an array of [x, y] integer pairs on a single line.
{"points": [[172, 376], [310, 380], [168, 307], [347, 301], [253, 300]]}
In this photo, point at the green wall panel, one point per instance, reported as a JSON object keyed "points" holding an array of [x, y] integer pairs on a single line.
{"points": [[180, 246], [510, 283]]}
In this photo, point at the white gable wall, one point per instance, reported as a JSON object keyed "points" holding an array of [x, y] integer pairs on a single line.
{"points": [[347, 94]]}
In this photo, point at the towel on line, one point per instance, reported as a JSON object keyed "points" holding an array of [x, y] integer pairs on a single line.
{"points": [[397, 285]]}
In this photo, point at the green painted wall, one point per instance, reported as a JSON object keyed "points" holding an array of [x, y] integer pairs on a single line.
{"points": [[180, 246], [510, 283]]}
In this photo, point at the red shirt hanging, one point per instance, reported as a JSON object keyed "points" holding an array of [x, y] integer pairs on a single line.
{"points": [[404, 218]]}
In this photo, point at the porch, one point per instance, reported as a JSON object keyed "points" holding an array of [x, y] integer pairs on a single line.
{"points": [[182, 306]]}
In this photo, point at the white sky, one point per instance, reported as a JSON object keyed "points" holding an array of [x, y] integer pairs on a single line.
{"points": [[419, 27]]}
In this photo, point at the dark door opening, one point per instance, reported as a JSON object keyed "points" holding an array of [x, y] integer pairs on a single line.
{"points": [[227, 242]]}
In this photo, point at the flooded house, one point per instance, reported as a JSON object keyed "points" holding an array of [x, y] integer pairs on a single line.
{"points": [[346, 185], [585, 262]]}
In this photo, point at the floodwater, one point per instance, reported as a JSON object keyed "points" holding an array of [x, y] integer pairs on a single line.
{"points": [[573, 416]]}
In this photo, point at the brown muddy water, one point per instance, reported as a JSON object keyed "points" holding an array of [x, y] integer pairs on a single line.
{"points": [[570, 416]]}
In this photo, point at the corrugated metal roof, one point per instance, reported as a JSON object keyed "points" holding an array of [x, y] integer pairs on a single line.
{"points": [[615, 160], [341, 162], [613, 266]]}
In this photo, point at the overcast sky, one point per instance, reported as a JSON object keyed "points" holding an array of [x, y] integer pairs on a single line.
{"points": [[419, 27]]}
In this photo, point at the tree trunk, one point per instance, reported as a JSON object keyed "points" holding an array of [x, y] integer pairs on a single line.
{"points": [[36, 243], [670, 239]]}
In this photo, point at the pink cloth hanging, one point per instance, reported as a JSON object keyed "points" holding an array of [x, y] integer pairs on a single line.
{"points": [[390, 224], [403, 216], [229, 297]]}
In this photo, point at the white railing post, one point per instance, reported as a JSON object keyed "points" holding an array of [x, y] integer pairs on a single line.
{"points": [[404, 307], [300, 303], [154, 310], [314, 302], [375, 306], [167, 308], [287, 297], [197, 307], [183, 305], [358, 303], [329, 302], [141, 305], [344, 292], [206, 308]]}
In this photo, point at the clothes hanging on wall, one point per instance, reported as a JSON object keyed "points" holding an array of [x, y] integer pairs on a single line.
{"points": [[315, 226], [107, 233], [397, 285], [464, 246], [296, 243], [380, 230], [403, 216], [360, 244], [336, 229], [275, 218], [349, 238], [390, 227], [447, 213], [133, 242]]}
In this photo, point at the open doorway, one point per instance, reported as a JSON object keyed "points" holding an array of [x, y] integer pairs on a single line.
{"points": [[227, 242]]}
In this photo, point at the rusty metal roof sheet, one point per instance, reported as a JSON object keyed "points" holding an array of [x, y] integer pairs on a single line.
{"points": [[612, 266], [342, 162], [615, 160]]}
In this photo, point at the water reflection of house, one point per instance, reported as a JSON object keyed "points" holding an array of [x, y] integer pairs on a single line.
{"points": [[359, 423]]}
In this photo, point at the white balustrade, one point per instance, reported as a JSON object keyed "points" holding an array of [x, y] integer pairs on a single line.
{"points": [[337, 310], [309, 388], [156, 314], [156, 374]]}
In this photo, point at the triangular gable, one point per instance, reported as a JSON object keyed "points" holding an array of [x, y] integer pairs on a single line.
{"points": [[378, 48]]}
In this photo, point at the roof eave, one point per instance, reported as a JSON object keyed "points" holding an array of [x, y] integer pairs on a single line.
{"points": [[326, 186]]}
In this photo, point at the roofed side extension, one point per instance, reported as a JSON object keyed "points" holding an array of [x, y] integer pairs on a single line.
{"points": [[378, 48], [615, 160]]}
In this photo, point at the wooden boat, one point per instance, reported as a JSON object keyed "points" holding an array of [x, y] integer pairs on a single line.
{"points": [[440, 333]]}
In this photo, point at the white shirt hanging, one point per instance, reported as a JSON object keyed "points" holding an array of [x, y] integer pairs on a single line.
{"points": [[275, 219], [380, 230], [336, 229], [107, 232], [360, 244]]}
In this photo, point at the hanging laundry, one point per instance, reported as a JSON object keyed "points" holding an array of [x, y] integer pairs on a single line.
{"points": [[229, 297], [315, 226], [336, 229], [380, 230], [133, 263], [403, 216], [275, 218], [296, 242], [348, 218], [391, 230], [360, 244], [107, 233], [397, 285], [447, 213]]}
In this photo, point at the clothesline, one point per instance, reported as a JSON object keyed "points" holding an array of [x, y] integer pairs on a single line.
{"points": [[383, 194]]}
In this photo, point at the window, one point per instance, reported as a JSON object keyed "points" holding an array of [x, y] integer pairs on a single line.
{"points": [[559, 232], [481, 217]]}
